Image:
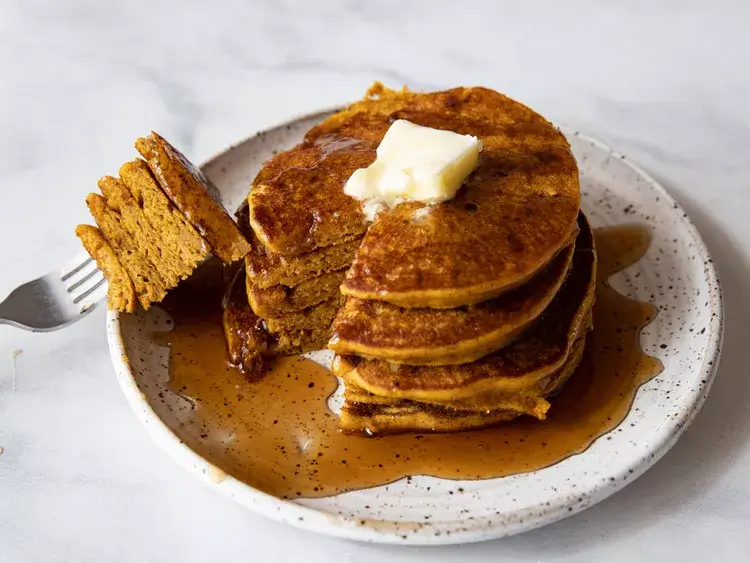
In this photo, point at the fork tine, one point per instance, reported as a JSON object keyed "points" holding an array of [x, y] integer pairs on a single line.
{"points": [[90, 290], [83, 280], [76, 268]]}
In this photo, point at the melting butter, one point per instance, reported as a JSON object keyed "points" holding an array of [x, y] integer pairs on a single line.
{"points": [[414, 163]]}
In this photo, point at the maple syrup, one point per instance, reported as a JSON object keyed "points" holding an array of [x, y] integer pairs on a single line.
{"points": [[278, 434]]}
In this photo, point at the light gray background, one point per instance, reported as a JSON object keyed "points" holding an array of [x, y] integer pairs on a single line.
{"points": [[665, 83]]}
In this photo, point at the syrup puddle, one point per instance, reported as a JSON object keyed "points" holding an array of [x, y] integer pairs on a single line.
{"points": [[279, 436]]}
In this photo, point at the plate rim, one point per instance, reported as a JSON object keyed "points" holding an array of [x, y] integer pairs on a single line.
{"points": [[381, 531]]}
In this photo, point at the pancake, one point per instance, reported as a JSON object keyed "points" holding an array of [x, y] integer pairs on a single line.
{"points": [[147, 281], [266, 269], [317, 317], [133, 219], [378, 420], [377, 329], [531, 401], [291, 342], [281, 299], [249, 340], [246, 338], [520, 366], [365, 413], [120, 291], [193, 194], [511, 218], [294, 298], [177, 233], [303, 206]]}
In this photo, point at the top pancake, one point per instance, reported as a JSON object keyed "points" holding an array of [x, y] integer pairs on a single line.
{"points": [[377, 329], [297, 202], [513, 215]]}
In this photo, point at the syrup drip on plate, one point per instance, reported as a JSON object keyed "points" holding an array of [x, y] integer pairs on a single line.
{"points": [[279, 435]]}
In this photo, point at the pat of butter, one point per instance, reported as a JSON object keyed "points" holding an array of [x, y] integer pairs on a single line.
{"points": [[415, 163]]}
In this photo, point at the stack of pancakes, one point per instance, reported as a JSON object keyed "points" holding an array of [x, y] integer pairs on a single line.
{"points": [[295, 294], [469, 366], [304, 232], [450, 316]]}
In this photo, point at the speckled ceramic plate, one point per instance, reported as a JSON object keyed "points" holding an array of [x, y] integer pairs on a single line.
{"points": [[686, 336]]}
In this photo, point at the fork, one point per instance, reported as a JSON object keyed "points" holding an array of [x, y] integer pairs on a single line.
{"points": [[58, 299]]}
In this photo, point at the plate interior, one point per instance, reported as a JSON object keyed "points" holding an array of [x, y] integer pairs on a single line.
{"points": [[676, 275]]}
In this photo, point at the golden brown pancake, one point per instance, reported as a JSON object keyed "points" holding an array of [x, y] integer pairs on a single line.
{"points": [[318, 316], [120, 291], [249, 337], [133, 219], [295, 298], [513, 215], [266, 269], [377, 329], [195, 196], [150, 239], [303, 206], [518, 367], [148, 283], [291, 342], [177, 233], [509, 220], [280, 299], [533, 400], [372, 415], [408, 416]]}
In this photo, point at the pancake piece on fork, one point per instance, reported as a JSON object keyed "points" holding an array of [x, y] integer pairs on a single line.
{"points": [[153, 219]]}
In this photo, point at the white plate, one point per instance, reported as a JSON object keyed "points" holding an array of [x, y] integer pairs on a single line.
{"points": [[614, 191]]}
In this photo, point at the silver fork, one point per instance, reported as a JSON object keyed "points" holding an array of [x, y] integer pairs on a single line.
{"points": [[58, 299]]}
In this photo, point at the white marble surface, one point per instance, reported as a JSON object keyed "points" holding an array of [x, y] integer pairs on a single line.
{"points": [[665, 83]]}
